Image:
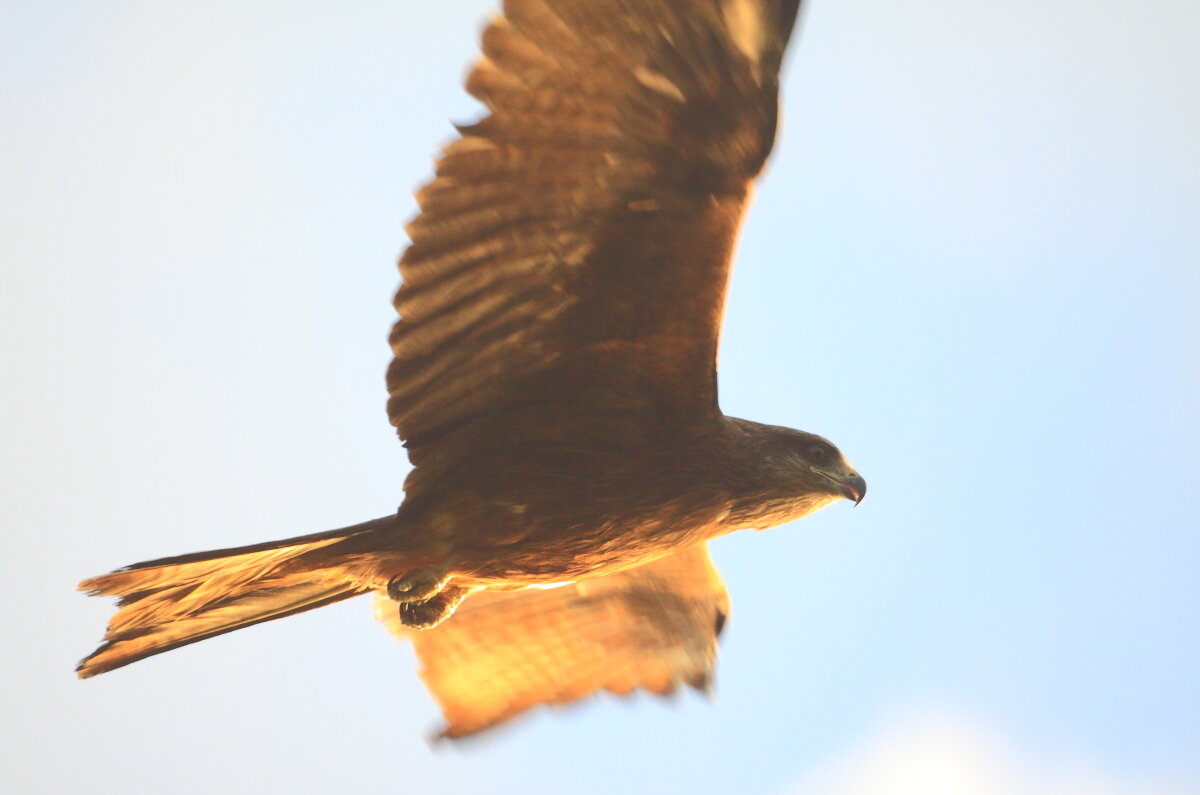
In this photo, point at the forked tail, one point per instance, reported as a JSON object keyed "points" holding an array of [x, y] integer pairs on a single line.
{"points": [[171, 602]]}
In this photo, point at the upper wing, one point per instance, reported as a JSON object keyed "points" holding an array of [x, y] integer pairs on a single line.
{"points": [[503, 652], [574, 247]]}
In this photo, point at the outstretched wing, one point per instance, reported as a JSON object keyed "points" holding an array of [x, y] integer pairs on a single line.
{"points": [[502, 652], [573, 249]]}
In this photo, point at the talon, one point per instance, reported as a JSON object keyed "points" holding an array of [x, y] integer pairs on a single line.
{"points": [[416, 586], [433, 611]]}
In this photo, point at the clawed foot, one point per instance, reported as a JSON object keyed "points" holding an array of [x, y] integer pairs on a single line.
{"points": [[425, 598], [416, 586], [432, 611]]}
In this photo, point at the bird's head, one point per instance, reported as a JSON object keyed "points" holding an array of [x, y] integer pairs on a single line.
{"points": [[794, 473], [818, 464]]}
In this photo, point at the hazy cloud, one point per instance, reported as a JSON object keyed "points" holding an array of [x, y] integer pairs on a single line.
{"points": [[942, 753]]}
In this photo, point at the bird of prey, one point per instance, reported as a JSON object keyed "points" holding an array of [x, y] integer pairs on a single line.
{"points": [[554, 379]]}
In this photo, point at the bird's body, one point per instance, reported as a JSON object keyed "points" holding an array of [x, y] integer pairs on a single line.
{"points": [[566, 513], [554, 371]]}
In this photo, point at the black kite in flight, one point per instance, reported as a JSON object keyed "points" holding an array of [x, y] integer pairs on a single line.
{"points": [[554, 379]]}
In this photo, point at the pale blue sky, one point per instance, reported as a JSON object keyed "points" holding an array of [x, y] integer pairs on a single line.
{"points": [[973, 265]]}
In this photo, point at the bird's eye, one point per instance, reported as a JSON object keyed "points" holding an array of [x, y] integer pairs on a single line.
{"points": [[817, 454]]}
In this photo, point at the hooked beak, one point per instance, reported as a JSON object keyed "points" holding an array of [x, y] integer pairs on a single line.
{"points": [[853, 488]]}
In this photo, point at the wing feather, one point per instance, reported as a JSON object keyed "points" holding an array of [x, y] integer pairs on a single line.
{"points": [[587, 223], [652, 628]]}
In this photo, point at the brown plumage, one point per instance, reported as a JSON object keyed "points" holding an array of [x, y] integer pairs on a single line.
{"points": [[555, 358], [653, 627]]}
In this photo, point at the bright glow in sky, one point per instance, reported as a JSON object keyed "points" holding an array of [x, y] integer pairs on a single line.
{"points": [[973, 265]]}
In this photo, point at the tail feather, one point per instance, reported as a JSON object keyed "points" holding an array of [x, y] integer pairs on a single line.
{"points": [[171, 602]]}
